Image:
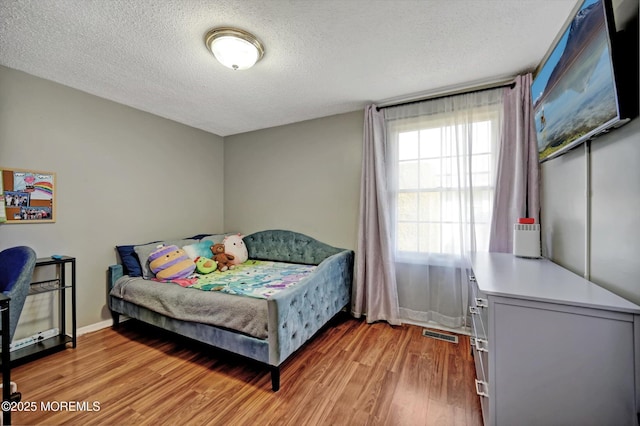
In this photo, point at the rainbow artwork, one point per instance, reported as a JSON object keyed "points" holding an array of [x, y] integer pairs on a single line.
{"points": [[44, 187], [40, 186]]}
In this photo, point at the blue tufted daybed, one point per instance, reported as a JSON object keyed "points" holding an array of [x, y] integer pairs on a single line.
{"points": [[275, 327]]}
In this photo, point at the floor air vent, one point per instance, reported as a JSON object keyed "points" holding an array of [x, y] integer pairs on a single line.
{"points": [[440, 336]]}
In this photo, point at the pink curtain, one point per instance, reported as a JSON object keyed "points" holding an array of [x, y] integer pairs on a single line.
{"points": [[375, 294], [517, 181]]}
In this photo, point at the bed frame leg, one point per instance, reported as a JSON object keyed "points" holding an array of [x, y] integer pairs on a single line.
{"points": [[116, 319], [275, 378]]}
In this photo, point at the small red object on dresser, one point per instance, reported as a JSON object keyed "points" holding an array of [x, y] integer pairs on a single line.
{"points": [[526, 220]]}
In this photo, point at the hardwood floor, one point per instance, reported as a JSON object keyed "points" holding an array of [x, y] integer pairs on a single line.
{"points": [[351, 373]]}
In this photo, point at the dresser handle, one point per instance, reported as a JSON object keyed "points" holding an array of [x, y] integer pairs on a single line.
{"points": [[482, 303], [480, 384], [473, 310], [482, 345]]}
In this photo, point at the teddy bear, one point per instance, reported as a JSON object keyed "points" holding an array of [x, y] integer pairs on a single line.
{"points": [[223, 259]]}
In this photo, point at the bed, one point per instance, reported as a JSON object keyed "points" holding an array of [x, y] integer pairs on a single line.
{"points": [[267, 328]]}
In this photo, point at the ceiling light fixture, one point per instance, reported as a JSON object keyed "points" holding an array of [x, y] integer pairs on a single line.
{"points": [[234, 48]]}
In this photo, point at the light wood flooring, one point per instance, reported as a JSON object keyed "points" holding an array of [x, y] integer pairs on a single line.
{"points": [[351, 373]]}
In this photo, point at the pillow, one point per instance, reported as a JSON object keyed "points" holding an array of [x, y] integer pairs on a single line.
{"points": [[199, 236], [130, 264], [170, 263], [234, 246], [200, 249], [129, 260], [214, 238], [208, 236], [203, 247], [144, 251]]}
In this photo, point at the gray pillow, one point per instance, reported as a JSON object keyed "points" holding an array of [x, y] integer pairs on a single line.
{"points": [[215, 238], [144, 251]]}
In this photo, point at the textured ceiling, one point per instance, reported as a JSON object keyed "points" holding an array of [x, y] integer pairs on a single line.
{"points": [[322, 57]]}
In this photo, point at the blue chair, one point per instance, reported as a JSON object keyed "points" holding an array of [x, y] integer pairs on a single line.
{"points": [[16, 271]]}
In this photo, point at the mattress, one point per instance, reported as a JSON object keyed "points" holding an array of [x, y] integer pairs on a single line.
{"points": [[247, 315], [234, 299]]}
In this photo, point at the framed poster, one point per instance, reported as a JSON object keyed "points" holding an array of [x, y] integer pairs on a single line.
{"points": [[28, 196]]}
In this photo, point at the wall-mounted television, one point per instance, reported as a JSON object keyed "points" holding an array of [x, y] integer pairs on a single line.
{"points": [[575, 93]]}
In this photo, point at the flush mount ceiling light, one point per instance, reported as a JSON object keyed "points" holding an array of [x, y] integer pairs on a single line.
{"points": [[234, 48]]}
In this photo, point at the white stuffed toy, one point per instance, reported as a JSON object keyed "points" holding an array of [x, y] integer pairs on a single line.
{"points": [[234, 245]]}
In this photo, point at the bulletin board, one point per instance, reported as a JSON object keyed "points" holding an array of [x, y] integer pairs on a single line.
{"points": [[28, 196]]}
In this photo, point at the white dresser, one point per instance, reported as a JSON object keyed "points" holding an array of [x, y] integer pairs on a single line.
{"points": [[550, 347]]}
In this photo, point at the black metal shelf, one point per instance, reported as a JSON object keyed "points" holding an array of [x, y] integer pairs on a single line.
{"points": [[46, 286], [60, 284], [39, 349], [49, 345]]}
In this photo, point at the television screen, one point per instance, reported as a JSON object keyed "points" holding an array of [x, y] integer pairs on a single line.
{"points": [[574, 91]]}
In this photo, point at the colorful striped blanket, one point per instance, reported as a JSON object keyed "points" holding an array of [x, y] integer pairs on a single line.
{"points": [[253, 278]]}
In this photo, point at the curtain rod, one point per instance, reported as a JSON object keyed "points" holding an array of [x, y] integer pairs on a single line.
{"points": [[482, 89]]}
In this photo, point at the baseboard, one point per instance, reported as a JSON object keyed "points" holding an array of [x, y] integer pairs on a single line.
{"points": [[98, 326]]}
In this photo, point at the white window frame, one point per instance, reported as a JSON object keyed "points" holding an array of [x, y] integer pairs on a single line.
{"points": [[398, 126]]}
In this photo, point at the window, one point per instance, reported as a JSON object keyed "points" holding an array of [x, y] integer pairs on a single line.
{"points": [[442, 181]]}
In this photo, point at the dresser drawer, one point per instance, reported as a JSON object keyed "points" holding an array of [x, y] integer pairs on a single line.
{"points": [[480, 350], [481, 383], [479, 312], [478, 326], [478, 308], [482, 303]]}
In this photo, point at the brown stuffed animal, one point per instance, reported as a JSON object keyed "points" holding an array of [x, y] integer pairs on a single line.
{"points": [[223, 259]]}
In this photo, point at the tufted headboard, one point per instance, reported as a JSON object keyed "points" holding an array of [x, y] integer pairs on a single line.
{"points": [[287, 246]]}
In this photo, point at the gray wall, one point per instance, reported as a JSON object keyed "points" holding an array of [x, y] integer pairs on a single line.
{"points": [[613, 234], [123, 177], [590, 199], [304, 177]]}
